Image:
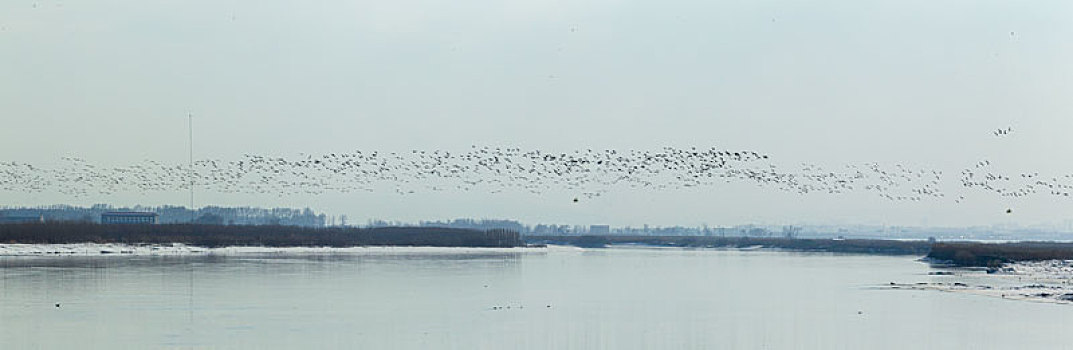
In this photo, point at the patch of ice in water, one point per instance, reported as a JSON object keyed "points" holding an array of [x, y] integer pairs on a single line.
{"points": [[1039, 281]]}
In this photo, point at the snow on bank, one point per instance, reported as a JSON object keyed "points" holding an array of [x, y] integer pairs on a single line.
{"points": [[94, 249], [1038, 281], [1050, 271], [1028, 292]]}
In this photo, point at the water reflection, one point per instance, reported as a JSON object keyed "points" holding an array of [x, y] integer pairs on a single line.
{"points": [[113, 261], [614, 299]]}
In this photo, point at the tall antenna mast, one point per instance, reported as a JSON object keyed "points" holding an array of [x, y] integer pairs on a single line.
{"points": [[193, 213]]}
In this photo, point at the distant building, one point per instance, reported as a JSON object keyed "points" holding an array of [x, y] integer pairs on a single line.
{"points": [[21, 219], [128, 217], [599, 229]]}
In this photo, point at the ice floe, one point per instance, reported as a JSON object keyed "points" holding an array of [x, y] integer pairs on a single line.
{"points": [[1039, 281]]}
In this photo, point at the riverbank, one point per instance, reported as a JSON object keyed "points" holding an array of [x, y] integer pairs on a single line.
{"points": [[859, 246], [215, 236], [1049, 281], [995, 255], [177, 249], [965, 254]]}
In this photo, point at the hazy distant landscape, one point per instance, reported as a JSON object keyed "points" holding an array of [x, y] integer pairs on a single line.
{"points": [[307, 217], [587, 174], [281, 227]]}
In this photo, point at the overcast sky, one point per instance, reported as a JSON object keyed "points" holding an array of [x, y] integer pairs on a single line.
{"points": [[920, 83]]}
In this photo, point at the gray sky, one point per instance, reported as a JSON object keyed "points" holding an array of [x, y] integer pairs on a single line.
{"points": [[919, 83]]}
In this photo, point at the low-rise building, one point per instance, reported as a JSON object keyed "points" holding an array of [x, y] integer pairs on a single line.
{"points": [[21, 219], [128, 217]]}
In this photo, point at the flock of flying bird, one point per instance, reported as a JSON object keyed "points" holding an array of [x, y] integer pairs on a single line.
{"points": [[588, 173]]}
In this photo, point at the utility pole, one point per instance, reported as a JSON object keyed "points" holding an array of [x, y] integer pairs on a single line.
{"points": [[193, 213]]}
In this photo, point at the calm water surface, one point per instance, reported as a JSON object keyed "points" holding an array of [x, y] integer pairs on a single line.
{"points": [[559, 299]]}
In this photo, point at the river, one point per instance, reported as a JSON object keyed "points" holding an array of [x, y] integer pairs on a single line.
{"points": [[555, 298]]}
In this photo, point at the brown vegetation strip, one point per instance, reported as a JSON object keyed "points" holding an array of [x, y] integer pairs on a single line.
{"points": [[996, 254], [863, 246]]}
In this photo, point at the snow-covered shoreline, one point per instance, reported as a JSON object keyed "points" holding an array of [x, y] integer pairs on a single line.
{"points": [[110, 249], [1049, 281]]}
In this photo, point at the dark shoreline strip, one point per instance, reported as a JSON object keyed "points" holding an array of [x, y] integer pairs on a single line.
{"points": [[994, 255], [965, 254], [211, 236], [859, 246]]}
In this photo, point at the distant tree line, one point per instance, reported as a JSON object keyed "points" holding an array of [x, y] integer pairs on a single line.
{"points": [[178, 214], [482, 224], [204, 235]]}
